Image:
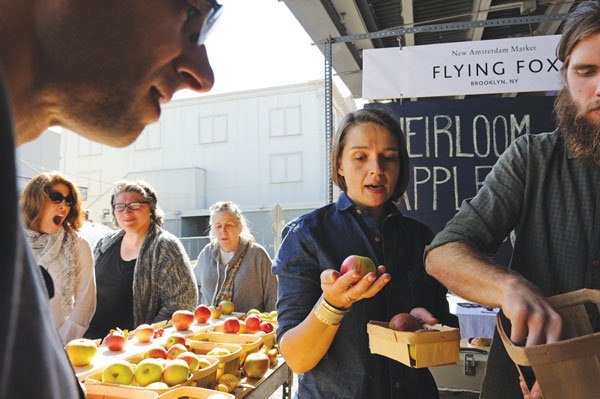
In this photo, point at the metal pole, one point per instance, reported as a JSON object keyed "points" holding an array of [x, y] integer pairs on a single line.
{"points": [[328, 119]]}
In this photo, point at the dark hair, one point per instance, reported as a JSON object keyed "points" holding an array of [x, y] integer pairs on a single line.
{"points": [[582, 23], [35, 198], [145, 190], [382, 119]]}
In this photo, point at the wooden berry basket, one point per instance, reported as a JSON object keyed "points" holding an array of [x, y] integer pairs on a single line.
{"points": [[230, 363], [195, 393], [97, 391], [96, 379], [248, 342], [431, 348], [564, 369]]}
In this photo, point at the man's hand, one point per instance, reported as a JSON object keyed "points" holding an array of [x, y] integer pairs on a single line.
{"points": [[533, 320], [343, 291]]}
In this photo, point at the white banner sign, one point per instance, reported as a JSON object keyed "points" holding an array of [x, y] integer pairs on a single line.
{"points": [[474, 67]]}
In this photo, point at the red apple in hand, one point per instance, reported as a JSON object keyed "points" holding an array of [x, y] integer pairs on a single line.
{"points": [[253, 322], [202, 314], [144, 333], [182, 319], [116, 339], [362, 264], [231, 325], [404, 322]]}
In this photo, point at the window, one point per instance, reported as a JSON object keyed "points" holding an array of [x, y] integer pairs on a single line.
{"points": [[150, 137], [285, 121], [286, 168], [212, 129]]}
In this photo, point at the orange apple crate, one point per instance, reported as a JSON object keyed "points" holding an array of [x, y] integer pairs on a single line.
{"points": [[96, 391], [248, 342], [431, 348], [96, 379], [569, 368], [193, 393], [230, 363]]}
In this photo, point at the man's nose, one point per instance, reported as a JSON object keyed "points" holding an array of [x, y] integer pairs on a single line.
{"points": [[194, 70]]}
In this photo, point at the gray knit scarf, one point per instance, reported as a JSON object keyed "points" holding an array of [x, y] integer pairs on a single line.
{"points": [[58, 246]]}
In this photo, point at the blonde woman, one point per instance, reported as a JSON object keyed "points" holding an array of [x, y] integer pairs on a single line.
{"points": [[233, 266]]}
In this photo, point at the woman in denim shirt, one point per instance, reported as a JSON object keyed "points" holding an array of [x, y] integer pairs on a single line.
{"points": [[322, 316]]}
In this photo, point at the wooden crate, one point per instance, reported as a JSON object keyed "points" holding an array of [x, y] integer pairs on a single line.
{"points": [[430, 349], [95, 391], [195, 393], [564, 369], [96, 379]]}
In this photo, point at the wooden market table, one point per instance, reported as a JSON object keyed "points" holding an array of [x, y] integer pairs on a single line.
{"points": [[277, 376]]}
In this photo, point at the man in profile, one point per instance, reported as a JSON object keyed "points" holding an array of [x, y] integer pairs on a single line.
{"points": [[101, 69], [545, 189]]}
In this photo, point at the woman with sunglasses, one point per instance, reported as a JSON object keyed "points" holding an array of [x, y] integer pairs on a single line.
{"points": [[52, 214], [233, 266], [142, 271]]}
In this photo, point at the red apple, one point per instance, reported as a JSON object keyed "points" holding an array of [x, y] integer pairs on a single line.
{"points": [[175, 339], [158, 353], [256, 365], [182, 319], [231, 325], [404, 322], [219, 327], [226, 307], [175, 351], [116, 339], [144, 333], [266, 327], [202, 314], [253, 322], [362, 264]]}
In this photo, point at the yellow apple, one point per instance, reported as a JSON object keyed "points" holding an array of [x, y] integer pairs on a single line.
{"points": [[215, 312], [148, 371], [226, 306], [81, 351], [175, 372], [118, 372], [256, 365]]}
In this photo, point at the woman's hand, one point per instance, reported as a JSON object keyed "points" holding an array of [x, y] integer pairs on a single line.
{"points": [[342, 291], [423, 315]]}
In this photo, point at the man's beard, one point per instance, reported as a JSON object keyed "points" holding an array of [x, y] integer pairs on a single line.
{"points": [[581, 135]]}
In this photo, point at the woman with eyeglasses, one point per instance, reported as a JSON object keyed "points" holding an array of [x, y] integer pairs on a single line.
{"points": [[233, 266], [143, 273], [51, 206]]}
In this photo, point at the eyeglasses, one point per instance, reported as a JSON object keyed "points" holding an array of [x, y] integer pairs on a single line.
{"points": [[133, 206], [209, 20], [58, 198]]}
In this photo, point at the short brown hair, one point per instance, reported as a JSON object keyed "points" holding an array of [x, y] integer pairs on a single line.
{"points": [[35, 198], [145, 190], [582, 23], [383, 119]]}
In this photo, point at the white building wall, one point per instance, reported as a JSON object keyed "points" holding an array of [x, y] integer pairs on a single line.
{"points": [[258, 148]]}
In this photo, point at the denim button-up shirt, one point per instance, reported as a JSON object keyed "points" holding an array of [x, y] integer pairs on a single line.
{"points": [[321, 240]]}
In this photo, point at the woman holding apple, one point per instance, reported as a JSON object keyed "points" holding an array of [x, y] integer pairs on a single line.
{"points": [[142, 271], [322, 314], [233, 266], [52, 213]]}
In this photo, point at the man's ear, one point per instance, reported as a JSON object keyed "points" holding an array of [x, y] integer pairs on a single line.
{"points": [[340, 171]]}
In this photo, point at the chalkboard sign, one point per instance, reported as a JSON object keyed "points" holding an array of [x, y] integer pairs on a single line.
{"points": [[453, 145]]}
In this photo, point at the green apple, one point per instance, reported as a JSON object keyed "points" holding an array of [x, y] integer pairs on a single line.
{"points": [[148, 371], [175, 372], [215, 312], [174, 339], [81, 351], [118, 372], [253, 311], [226, 306]]}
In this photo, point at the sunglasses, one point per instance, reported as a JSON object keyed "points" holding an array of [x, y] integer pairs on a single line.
{"points": [[133, 206], [58, 198]]}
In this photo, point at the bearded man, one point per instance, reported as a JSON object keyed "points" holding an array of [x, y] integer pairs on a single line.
{"points": [[545, 190]]}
